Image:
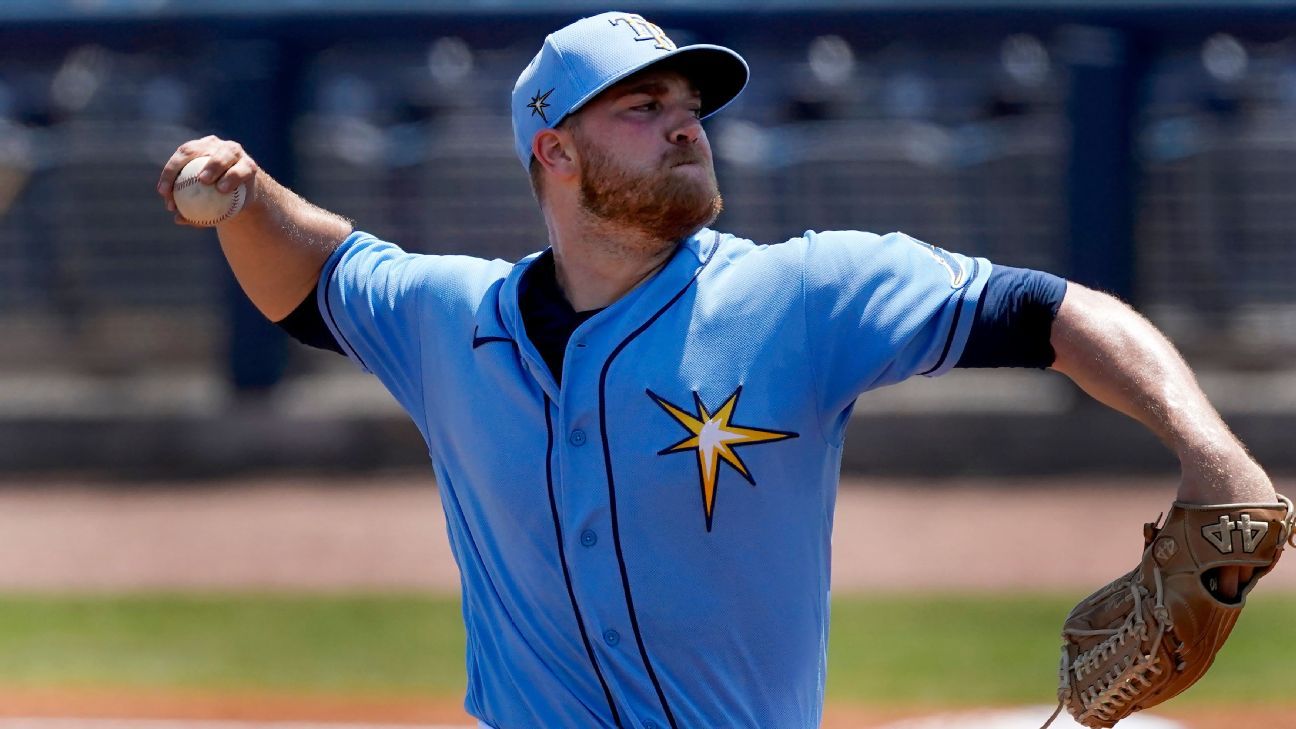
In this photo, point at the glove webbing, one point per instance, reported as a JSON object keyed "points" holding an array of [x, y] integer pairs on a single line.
{"points": [[1118, 691]]}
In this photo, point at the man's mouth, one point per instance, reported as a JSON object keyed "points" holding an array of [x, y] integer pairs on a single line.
{"points": [[681, 160]]}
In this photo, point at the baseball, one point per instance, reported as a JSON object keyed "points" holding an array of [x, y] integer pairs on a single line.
{"points": [[203, 204]]}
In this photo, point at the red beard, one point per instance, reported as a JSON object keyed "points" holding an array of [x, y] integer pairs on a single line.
{"points": [[663, 204]]}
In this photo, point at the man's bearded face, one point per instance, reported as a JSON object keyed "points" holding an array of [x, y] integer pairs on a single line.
{"points": [[669, 199]]}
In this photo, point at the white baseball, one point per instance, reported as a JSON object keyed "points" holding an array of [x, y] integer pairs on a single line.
{"points": [[203, 204]]}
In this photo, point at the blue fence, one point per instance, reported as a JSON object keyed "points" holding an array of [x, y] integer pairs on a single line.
{"points": [[959, 128]]}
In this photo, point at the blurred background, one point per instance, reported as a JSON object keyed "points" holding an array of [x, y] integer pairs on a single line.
{"points": [[193, 507], [1143, 147]]}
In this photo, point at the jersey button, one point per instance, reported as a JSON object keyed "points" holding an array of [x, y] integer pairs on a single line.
{"points": [[577, 438], [650, 724], [588, 538], [611, 637]]}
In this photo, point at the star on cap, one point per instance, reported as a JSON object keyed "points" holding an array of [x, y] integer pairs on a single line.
{"points": [[538, 105]]}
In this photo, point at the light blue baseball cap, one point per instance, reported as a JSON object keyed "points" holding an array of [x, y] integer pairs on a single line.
{"points": [[579, 61]]}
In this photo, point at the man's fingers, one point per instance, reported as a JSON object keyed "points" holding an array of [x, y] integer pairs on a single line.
{"points": [[1228, 583], [241, 172], [1232, 580], [221, 158], [171, 170], [228, 162]]}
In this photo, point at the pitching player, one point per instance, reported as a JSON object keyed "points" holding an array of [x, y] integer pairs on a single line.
{"points": [[637, 431]]}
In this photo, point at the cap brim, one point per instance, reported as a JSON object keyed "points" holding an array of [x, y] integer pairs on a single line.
{"points": [[718, 73]]}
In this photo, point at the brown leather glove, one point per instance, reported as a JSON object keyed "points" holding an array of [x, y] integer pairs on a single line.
{"points": [[1153, 632]]}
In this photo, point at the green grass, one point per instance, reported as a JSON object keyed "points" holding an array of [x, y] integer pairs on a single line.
{"points": [[935, 650], [945, 649], [952, 650], [360, 645]]}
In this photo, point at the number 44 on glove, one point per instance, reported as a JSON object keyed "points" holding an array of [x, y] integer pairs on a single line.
{"points": [[1153, 632]]}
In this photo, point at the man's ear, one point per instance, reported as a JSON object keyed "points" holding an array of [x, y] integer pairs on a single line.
{"points": [[555, 149]]}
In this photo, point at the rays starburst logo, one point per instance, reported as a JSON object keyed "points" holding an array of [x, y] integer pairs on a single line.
{"points": [[714, 438], [539, 103]]}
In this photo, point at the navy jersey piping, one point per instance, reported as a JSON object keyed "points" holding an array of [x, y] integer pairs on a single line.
{"points": [[479, 341], [607, 461], [562, 557], [958, 314], [328, 307]]}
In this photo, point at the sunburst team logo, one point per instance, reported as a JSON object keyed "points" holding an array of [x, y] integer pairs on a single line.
{"points": [[539, 103], [713, 437]]}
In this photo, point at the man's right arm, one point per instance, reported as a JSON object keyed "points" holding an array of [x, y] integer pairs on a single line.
{"points": [[278, 243]]}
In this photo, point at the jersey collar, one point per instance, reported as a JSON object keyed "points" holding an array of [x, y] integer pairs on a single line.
{"points": [[501, 319]]}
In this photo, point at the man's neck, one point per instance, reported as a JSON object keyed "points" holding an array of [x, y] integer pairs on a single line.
{"points": [[597, 263]]}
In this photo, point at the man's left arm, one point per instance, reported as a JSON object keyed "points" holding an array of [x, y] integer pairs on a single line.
{"points": [[1118, 358], [1121, 360]]}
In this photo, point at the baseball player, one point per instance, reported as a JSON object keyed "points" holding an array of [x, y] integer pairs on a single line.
{"points": [[637, 431]]}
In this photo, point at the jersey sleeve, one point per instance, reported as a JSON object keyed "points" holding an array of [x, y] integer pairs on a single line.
{"points": [[881, 309], [371, 295]]}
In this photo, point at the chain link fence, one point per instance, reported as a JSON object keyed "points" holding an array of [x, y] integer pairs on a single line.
{"points": [[964, 147]]}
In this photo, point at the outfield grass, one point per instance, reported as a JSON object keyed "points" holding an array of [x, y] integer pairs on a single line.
{"points": [[946, 650], [397, 644], [955, 650]]}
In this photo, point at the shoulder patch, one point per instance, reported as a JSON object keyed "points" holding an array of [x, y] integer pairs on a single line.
{"points": [[957, 273]]}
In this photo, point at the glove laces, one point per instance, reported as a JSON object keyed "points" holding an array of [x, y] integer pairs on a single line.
{"points": [[1112, 693], [1115, 690], [1288, 534]]}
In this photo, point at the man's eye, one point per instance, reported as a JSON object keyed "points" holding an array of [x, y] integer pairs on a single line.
{"points": [[648, 106]]}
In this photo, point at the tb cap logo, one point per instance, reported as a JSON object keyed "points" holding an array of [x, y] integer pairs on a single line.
{"points": [[644, 30]]}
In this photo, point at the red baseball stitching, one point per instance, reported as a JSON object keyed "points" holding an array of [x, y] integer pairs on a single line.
{"points": [[236, 201]]}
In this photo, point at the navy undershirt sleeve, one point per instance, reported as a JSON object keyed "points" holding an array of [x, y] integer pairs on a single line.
{"points": [[306, 325], [1014, 320]]}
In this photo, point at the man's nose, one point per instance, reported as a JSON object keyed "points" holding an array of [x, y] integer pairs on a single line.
{"points": [[687, 133]]}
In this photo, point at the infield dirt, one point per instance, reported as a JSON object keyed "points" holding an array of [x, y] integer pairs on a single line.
{"points": [[387, 533]]}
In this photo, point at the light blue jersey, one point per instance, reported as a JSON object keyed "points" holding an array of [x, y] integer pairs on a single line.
{"points": [[648, 544]]}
